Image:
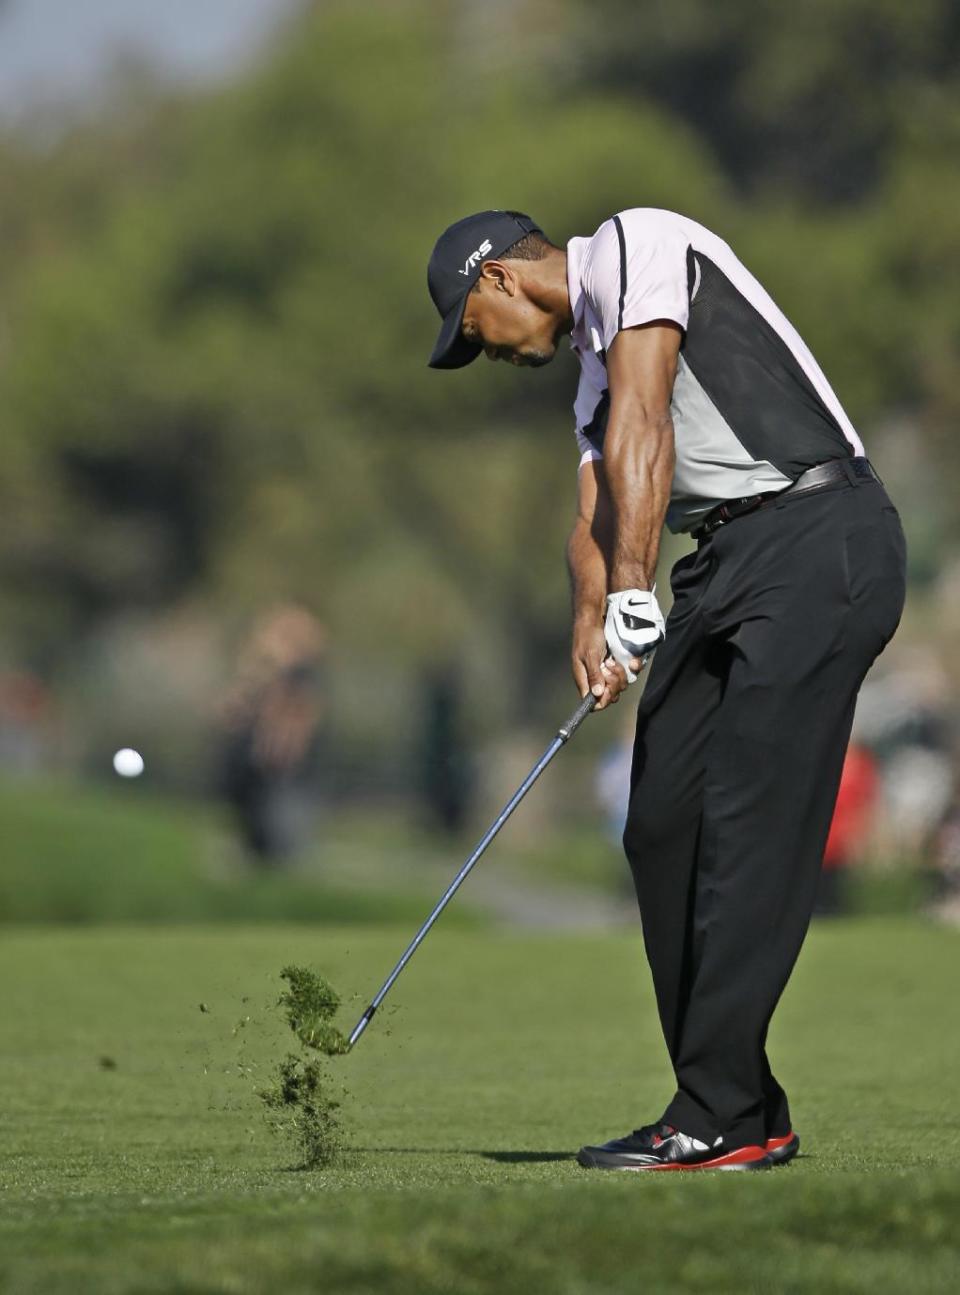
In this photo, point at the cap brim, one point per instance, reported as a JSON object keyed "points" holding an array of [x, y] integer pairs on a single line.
{"points": [[452, 350]]}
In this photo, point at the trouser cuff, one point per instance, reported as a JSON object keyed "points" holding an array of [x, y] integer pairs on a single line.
{"points": [[687, 1115]]}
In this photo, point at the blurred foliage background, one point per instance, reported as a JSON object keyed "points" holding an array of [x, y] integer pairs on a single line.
{"points": [[214, 328]]}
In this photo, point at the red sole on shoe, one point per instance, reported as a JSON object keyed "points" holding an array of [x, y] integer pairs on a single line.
{"points": [[742, 1158]]}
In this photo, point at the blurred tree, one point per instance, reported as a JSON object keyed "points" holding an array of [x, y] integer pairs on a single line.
{"points": [[806, 98], [222, 382], [214, 323]]}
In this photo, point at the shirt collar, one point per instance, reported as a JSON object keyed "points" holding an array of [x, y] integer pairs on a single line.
{"points": [[576, 249], [585, 338]]}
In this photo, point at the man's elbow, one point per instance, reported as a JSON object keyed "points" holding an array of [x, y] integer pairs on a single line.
{"points": [[646, 436], [636, 410]]}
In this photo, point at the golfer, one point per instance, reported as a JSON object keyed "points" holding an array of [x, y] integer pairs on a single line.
{"points": [[700, 406]]}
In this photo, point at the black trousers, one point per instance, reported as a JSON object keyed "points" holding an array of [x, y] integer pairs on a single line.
{"points": [[741, 737]]}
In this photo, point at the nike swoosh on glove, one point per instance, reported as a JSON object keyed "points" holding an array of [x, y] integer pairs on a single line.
{"points": [[633, 628]]}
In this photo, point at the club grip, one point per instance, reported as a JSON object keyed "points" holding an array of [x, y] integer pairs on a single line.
{"points": [[566, 731]]}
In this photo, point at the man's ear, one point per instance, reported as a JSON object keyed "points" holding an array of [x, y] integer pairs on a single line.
{"points": [[500, 277]]}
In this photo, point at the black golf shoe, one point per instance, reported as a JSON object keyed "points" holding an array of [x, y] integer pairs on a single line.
{"points": [[661, 1146], [780, 1150]]}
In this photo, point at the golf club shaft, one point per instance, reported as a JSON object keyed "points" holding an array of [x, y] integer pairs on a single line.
{"points": [[564, 733]]}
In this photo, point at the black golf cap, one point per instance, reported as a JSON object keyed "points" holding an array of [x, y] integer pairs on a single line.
{"points": [[455, 267]]}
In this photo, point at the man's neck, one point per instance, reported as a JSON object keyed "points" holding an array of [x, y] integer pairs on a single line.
{"points": [[553, 290]]}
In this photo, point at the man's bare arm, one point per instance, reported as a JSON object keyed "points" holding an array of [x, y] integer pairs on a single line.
{"points": [[591, 544], [588, 560], [638, 449]]}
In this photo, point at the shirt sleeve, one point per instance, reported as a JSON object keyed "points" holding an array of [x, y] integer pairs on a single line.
{"points": [[636, 272], [587, 452], [589, 413]]}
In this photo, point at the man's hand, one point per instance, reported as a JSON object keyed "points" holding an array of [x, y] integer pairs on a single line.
{"points": [[634, 627], [593, 670]]}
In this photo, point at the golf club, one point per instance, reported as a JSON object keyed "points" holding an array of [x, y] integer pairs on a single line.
{"points": [[564, 733]]}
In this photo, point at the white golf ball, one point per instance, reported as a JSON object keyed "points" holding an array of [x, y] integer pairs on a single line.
{"points": [[128, 763]]}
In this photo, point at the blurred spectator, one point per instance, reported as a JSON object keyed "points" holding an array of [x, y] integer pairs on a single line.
{"points": [[447, 782], [946, 904], [850, 827], [271, 721], [905, 717], [26, 717]]}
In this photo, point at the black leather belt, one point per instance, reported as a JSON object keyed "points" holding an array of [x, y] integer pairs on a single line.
{"points": [[824, 474]]}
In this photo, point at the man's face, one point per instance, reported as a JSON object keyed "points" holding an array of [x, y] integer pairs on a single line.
{"points": [[501, 318]]}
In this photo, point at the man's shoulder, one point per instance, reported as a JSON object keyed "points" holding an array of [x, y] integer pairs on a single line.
{"points": [[632, 232], [641, 219], [635, 225]]}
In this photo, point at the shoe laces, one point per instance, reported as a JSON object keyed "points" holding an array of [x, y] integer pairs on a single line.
{"points": [[654, 1134]]}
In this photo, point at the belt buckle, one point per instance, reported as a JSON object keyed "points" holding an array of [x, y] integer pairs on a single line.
{"points": [[711, 523], [741, 507], [723, 515], [721, 519]]}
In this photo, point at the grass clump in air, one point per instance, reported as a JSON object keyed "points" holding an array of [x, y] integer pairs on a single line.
{"points": [[301, 1108], [311, 1003]]}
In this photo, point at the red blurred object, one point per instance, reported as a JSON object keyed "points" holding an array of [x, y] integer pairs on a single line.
{"points": [[854, 808]]}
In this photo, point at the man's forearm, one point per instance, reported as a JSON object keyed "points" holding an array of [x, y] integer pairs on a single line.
{"points": [[639, 462], [588, 566]]}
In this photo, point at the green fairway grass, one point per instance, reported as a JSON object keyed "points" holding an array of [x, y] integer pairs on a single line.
{"points": [[135, 1156]]}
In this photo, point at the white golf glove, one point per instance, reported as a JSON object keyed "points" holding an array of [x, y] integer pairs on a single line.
{"points": [[633, 628]]}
